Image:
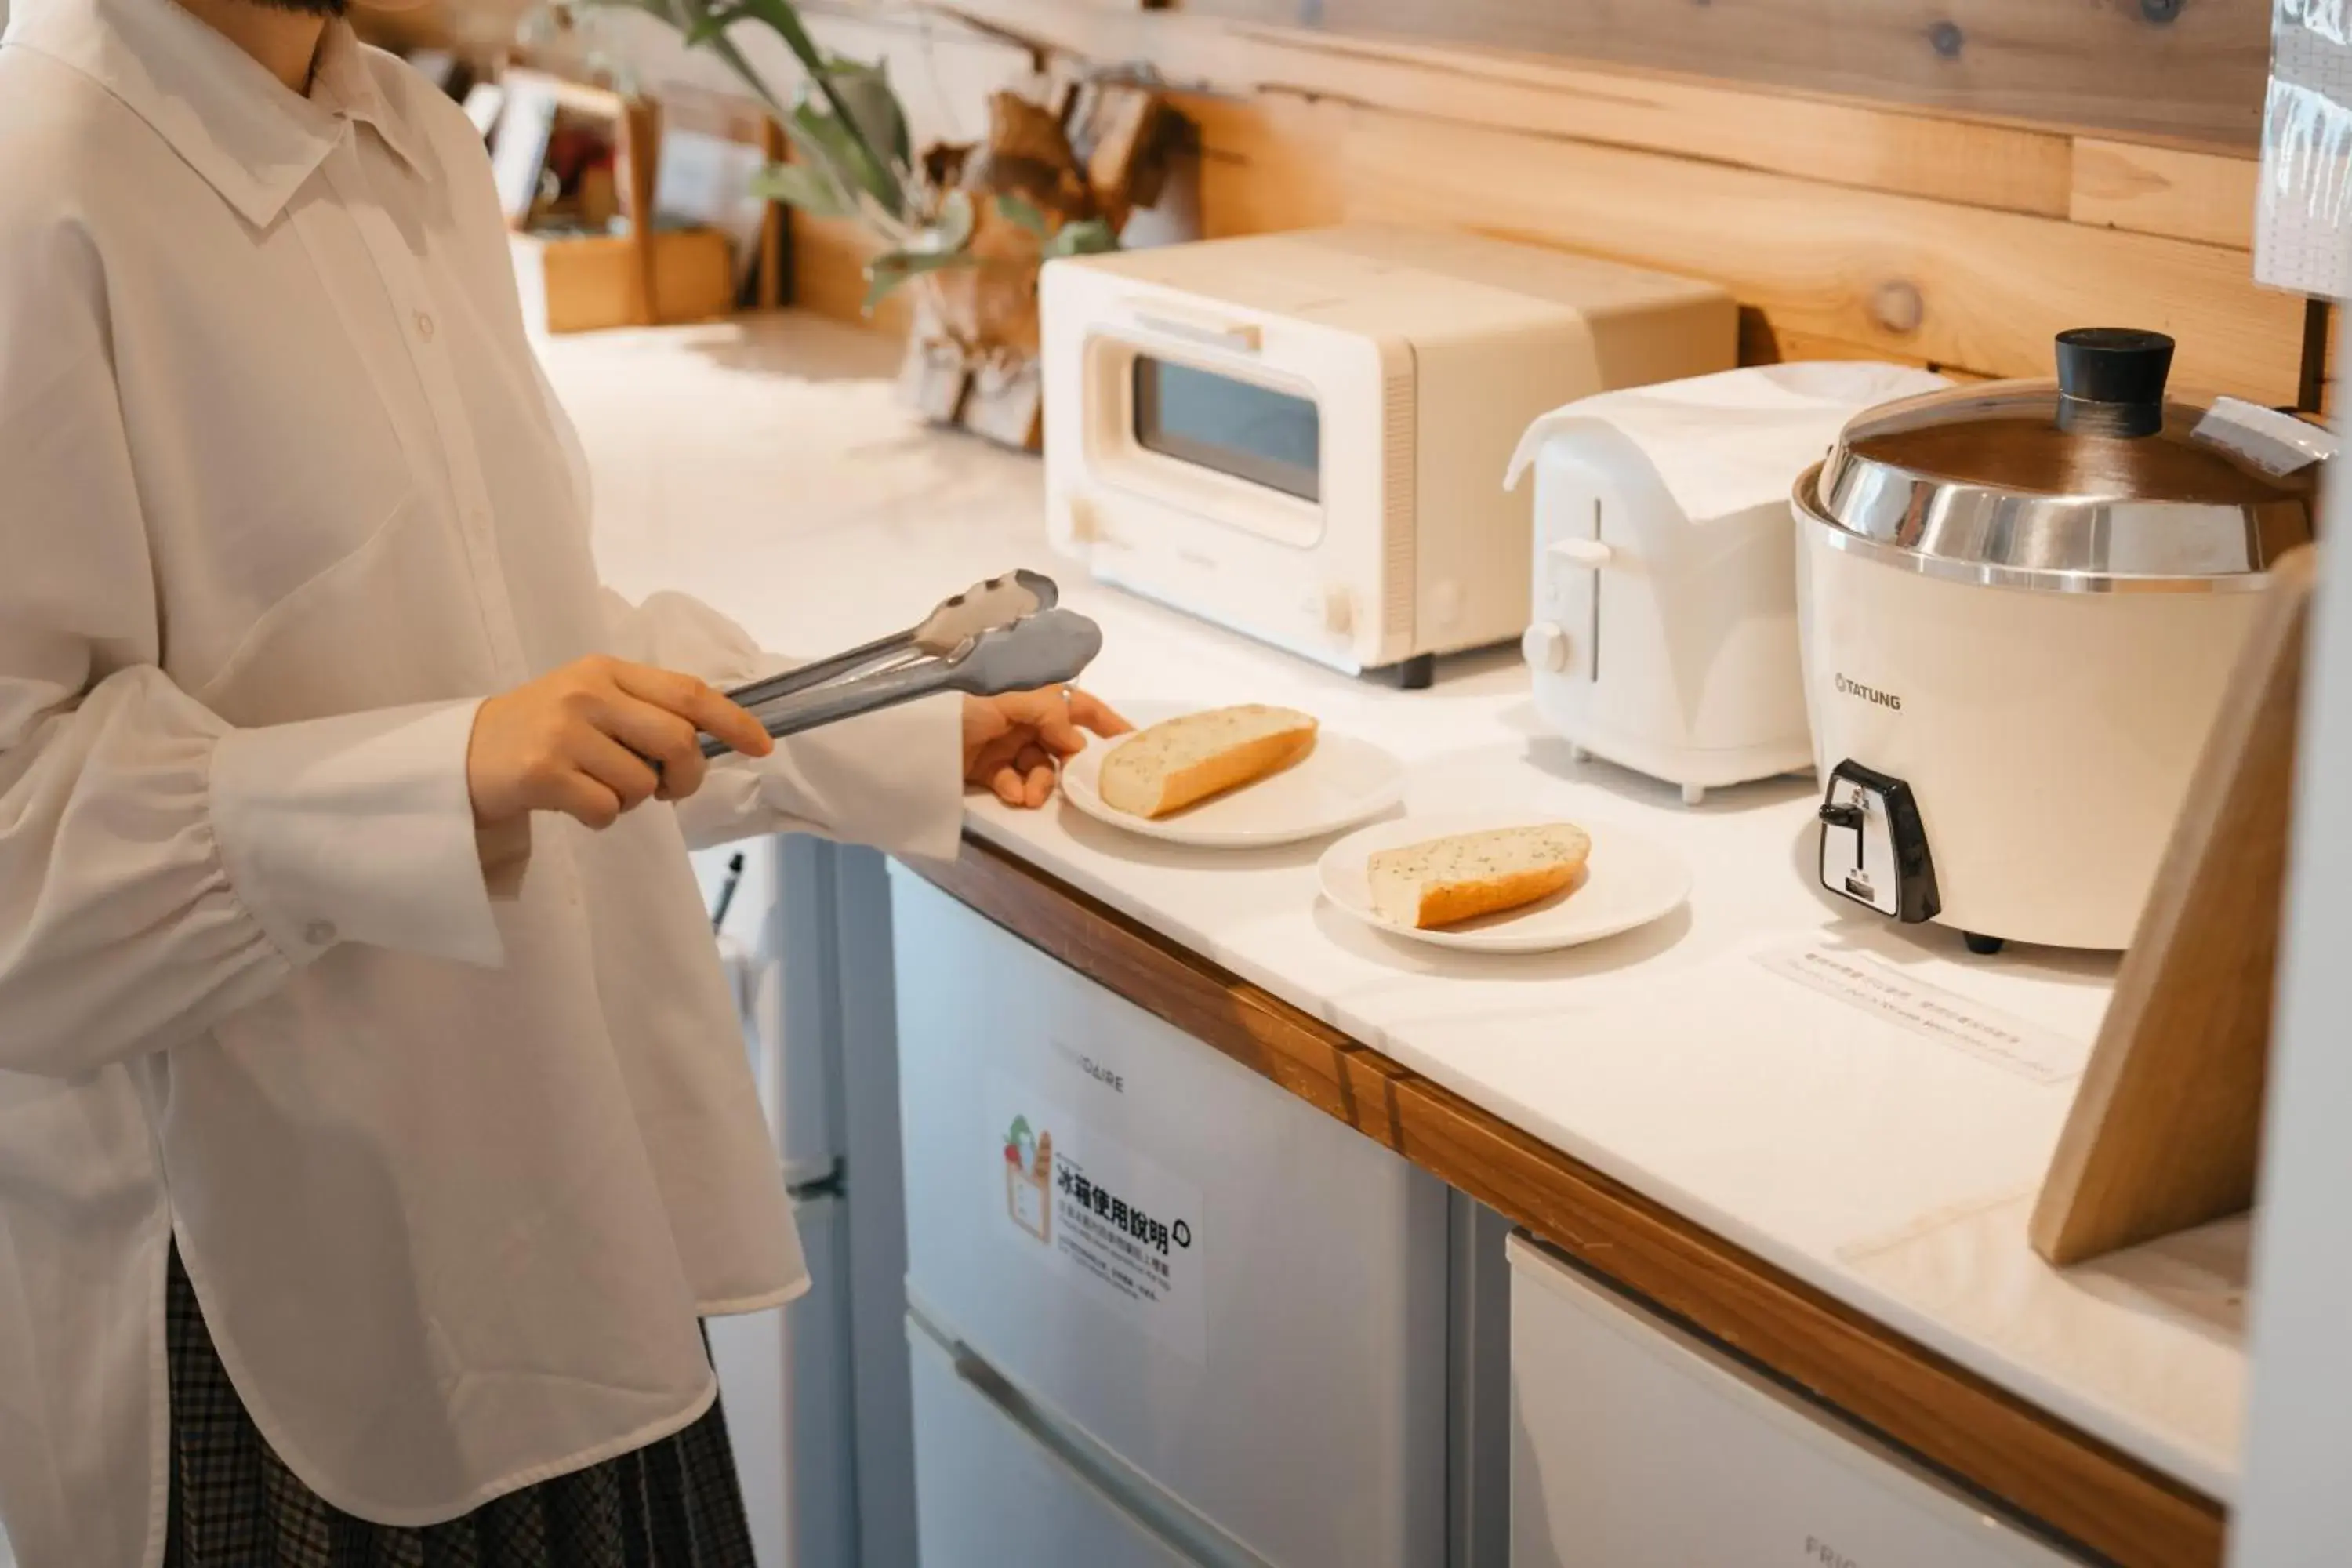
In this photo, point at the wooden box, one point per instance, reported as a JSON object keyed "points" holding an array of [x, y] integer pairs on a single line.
{"points": [[583, 281]]}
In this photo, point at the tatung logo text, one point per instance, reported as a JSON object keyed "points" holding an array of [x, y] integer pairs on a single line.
{"points": [[1887, 699]]}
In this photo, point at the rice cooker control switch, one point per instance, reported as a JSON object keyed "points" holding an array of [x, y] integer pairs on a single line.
{"points": [[1545, 646], [1874, 845]]}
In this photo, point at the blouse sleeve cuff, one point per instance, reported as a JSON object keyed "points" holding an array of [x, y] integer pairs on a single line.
{"points": [[358, 828], [892, 780]]}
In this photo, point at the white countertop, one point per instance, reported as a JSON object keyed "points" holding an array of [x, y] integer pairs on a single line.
{"points": [[766, 467]]}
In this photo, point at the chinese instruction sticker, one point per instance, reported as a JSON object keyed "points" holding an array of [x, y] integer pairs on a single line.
{"points": [[1114, 1227]]}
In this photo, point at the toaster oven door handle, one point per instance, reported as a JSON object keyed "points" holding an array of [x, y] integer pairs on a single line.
{"points": [[1589, 554], [1238, 336]]}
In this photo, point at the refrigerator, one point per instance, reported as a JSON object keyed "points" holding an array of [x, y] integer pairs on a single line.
{"points": [[1162, 1313], [817, 1393]]}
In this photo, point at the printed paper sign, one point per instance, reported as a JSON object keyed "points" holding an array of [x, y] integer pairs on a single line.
{"points": [[1870, 984], [1120, 1231]]}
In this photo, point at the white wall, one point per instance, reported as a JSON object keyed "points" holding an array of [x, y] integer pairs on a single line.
{"points": [[2294, 1507]]}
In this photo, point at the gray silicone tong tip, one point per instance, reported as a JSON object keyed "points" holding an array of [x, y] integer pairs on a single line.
{"points": [[984, 606], [1051, 647]]}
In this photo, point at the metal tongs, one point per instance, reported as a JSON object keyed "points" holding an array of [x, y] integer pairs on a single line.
{"points": [[1007, 634]]}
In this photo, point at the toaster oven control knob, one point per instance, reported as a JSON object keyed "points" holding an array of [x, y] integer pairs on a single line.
{"points": [[1333, 608], [1546, 647], [1589, 554]]}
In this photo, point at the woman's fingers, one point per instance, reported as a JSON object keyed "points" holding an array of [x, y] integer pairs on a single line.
{"points": [[1037, 775], [698, 703], [671, 743], [631, 779], [585, 801], [1092, 713], [1040, 730]]}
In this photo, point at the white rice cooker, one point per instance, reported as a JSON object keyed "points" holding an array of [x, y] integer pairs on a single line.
{"points": [[2019, 604]]}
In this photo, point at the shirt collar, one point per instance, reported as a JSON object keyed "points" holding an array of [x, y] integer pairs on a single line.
{"points": [[232, 122]]}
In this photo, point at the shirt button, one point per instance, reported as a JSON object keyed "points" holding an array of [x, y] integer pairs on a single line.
{"points": [[319, 933], [424, 325]]}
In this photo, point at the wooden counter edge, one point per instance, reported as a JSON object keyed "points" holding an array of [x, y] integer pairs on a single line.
{"points": [[1955, 1421]]}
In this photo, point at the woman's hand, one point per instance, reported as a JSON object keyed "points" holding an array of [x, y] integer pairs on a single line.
{"points": [[1013, 745], [584, 739]]}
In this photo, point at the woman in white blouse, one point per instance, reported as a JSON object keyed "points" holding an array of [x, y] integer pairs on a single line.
{"points": [[374, 1126]]}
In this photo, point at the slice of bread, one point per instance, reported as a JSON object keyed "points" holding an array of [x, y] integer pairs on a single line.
{"points": [[1445, 881], [1185, 761]]}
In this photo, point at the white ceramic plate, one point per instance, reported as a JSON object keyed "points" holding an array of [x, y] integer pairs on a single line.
{"points": [[1629, 881], [1343, 782]]}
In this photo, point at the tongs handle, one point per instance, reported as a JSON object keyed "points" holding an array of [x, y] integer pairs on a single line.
{"points": [[1049, 648], [984, 606]]}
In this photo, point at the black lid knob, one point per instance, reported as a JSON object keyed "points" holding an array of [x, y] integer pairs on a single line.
{"points": [[2111, 381]]}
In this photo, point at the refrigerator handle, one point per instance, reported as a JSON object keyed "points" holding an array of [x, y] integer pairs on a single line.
{"points": [[1169, 1518]]}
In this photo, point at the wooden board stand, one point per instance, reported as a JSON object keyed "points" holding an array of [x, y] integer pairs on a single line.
{"points": [[2165, 1131]]}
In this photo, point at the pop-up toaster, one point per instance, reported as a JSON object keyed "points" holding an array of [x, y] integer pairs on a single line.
{"points": [[1663, 632]]}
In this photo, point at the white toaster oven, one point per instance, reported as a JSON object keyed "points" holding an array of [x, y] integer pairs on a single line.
{"points": [[1302, 437]]}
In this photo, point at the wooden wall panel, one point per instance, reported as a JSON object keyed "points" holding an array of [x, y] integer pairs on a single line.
{"points": [[1883, 274], [2187, 68], [1846, 228], [2160, 190], [1870, 145]]}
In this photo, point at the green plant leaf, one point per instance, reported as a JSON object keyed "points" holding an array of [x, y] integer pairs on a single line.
{"points": [[893, 268], [710, 25], [785, 21], [862, 164], [870, 161], [1087, 236], [874, 109], [1023, 211], [812, 190], [824, 135]]}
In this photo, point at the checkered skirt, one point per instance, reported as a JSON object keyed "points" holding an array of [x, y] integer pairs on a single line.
{"points": [[234, 1504]]}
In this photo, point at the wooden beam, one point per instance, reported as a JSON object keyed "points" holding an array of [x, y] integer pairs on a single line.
{"points": [[1946, 1414], [2167, 69]]}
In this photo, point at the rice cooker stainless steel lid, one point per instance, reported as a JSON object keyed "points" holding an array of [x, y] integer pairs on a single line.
{"points": [[2096, 482]]}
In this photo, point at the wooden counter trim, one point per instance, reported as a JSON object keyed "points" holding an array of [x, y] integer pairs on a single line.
{"points": [[1947, 1415]]}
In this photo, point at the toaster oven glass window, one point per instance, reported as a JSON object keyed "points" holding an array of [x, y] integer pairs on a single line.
{"points": [[1236, 427]]}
